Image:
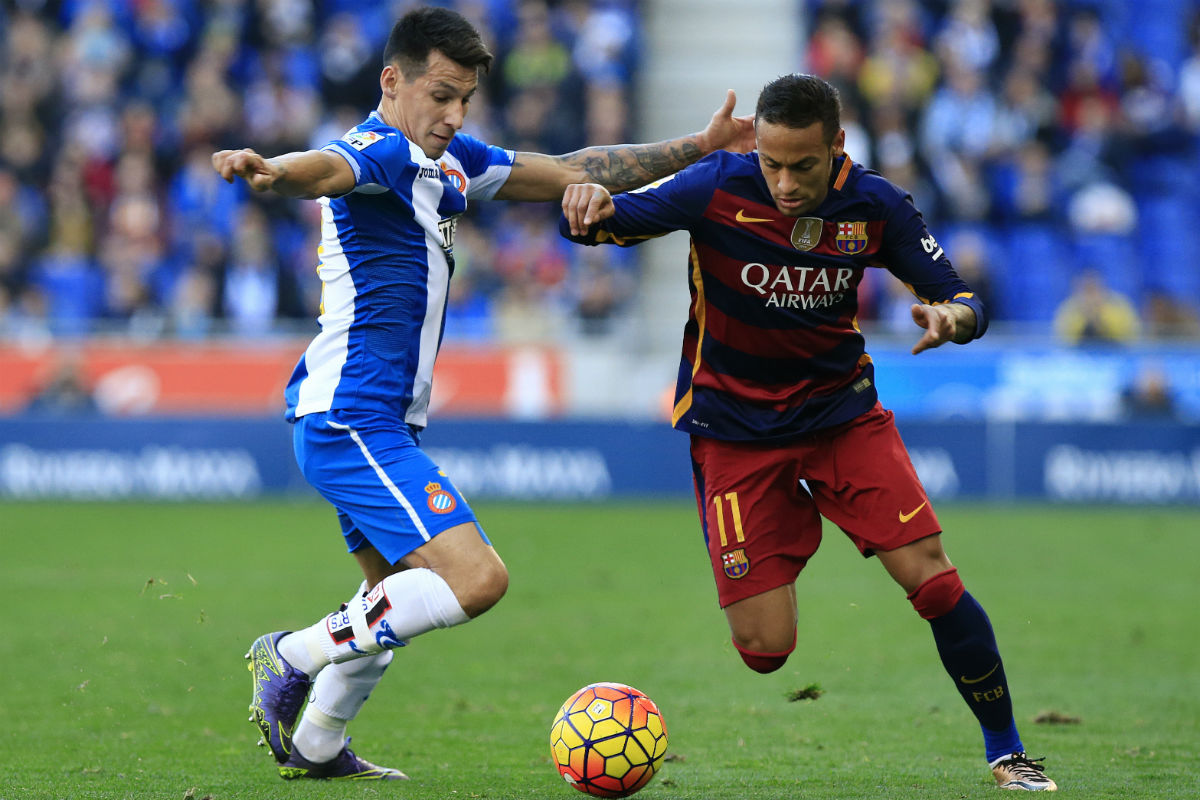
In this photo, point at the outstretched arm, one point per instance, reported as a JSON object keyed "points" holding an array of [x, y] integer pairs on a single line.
{"points": [[311, 174], [622, 167]]}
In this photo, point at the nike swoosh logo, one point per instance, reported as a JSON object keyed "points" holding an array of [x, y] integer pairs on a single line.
{"points": [[740, 216], [965, 679], [906, 517]]}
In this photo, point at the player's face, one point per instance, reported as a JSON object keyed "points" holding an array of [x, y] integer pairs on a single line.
{"points": [[796, 163], [431, 108]]}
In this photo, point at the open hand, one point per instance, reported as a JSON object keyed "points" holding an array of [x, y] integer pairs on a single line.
{"points": [[727, 132]]}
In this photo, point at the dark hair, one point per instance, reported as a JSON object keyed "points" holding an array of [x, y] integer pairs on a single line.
{"points": [[423, 30], [798, 101]]}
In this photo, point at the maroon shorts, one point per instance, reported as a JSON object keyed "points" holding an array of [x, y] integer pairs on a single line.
{"points": [[761, 525]]}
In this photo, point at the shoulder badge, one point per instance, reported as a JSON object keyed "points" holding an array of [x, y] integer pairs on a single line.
{"points": [[360, 140], [653, 185]]}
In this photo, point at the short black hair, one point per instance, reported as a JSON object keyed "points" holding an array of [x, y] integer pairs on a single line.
{"points": [[799, 100], [423, 30]]}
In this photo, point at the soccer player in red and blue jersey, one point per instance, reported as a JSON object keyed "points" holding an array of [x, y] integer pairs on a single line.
{"points": [[391, 191], [778, 393]]}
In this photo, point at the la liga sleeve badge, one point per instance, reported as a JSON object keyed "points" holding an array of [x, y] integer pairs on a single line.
{"points": [[360, 140]]}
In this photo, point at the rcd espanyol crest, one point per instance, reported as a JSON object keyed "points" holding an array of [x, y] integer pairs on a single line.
{"points": [[440, 501]]}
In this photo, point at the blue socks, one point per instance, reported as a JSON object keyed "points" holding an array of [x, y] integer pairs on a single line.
{"points": [[1002, 744], [969, 653]]}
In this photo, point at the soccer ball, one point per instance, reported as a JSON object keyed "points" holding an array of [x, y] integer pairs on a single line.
{"points": [[608, 740]]}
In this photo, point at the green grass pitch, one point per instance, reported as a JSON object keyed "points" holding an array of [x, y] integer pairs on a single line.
{"points": [[123, 676]]}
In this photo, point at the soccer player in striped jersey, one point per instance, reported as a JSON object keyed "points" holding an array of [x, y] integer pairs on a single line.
{"points": [[778, 393], [390, 191]]}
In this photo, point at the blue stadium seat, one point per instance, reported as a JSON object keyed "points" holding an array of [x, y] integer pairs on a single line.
{"points": [[1158, 28], [1116, 257], [1037, 271], [1170, 240], [1166, 174]]}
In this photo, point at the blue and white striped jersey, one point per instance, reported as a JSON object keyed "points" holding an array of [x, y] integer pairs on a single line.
{"points": [[386, 258]]}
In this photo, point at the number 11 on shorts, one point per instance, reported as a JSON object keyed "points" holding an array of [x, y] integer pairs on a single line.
{"points": [[734, 511]]}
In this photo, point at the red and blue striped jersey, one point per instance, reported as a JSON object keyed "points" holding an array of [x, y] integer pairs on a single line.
{"points": [[772, 348]]}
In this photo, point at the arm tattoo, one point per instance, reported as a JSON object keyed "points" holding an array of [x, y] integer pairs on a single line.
{"points": [[623, 167]]}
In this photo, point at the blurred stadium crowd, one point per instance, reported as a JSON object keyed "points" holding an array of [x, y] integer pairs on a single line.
{"points": [[115, 221], [1052, 147]]}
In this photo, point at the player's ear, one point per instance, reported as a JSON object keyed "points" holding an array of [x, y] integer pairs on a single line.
{"points": [[839, 143], [389, 79]]}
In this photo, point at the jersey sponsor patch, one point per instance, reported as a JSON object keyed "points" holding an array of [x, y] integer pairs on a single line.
{"points": [[447, 227], [440, 501], [360, 140], [736, 563]]}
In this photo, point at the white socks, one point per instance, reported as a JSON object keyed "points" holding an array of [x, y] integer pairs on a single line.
{"points": [[349, 650], [401, 606], [337, 696]]}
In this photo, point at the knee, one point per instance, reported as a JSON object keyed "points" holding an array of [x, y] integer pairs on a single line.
{"points": [[765, 654], [487, 586], [937, 596]]}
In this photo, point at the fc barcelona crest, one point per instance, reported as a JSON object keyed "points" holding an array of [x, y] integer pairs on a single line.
{"points": [[851, 237], [806, 233], [736, 563]]}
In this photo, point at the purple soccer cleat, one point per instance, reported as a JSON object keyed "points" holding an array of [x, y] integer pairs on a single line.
{"points": [[279, 694], [345, 767]]}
